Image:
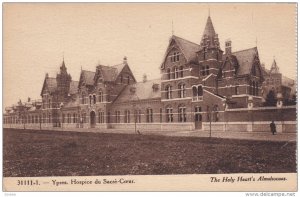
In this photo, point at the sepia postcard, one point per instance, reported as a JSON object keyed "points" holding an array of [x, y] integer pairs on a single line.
{"points": [[150, 97]]}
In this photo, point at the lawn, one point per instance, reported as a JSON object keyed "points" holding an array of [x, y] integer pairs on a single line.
{"points": [[58, 153]]}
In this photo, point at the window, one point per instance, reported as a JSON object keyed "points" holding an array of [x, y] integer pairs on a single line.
{"points": [[207, 70], [169, 114], [49, 104], [181, 92], [69, 118], [127, 116], [84, 118], [101, 117], [90, 99], [74, 118], [63, 118], [50, 118], [236, 89], [94, 98], [203, 71], [200, 91], [175, 57], [198, 116], [149, 117], [195, 93], [128, 79], [169, 92], [169, 73], [181, 71], [138, 114], [118, 118], [176, 73], [83, 98], [181, 114], [100, 96]]}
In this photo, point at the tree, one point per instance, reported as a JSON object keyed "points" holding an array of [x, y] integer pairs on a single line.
{"points": [[271, 99]]}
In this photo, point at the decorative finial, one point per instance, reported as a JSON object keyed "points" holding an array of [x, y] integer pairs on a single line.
{"points": [[256, 41], [208, 11], [63, 56]]}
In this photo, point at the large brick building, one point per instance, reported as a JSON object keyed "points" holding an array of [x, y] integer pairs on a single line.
{"points": [[198, 83]]}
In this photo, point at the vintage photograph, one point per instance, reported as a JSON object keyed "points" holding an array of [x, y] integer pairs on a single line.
{"points": [[126, 89]]}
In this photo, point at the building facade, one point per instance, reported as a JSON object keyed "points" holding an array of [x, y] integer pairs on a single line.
{"points": [[199, 84]]}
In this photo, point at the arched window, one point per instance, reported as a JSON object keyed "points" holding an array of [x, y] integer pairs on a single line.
{"points": [[181, 113], [100, 96], [149, 115], [94, 99], [169, 73], [176, 73], [90, 99], [181, 92], [169, 114], [195, 94], [207, 70], [169, 92], [181, 71], [200, 91]]}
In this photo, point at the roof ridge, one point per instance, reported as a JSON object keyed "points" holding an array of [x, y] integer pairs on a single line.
{"points": [[244, 50], [88, 71]]}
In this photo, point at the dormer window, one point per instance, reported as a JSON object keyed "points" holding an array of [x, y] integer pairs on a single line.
{"points": [[175, 57]]}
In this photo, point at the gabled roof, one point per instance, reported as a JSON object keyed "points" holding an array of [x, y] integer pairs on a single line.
{"points": [[50, 83], [188, 48], [143, 90], [73, 87], [110, 73], [245, 60], [87, 77], [274, 67]]}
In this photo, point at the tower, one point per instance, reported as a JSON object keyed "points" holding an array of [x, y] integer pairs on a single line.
{"points": [[63, 80], [210, 53]]}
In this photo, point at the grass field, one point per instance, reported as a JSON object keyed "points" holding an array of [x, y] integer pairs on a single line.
{"points": [[57, 153]]}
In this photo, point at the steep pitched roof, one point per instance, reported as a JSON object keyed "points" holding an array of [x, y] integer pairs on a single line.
{"points": [[274, 67], [245, 59], [143, 90], [209, 28], [88, 77], [51, 84], [73, 87], [188, 48], [110, 73]]}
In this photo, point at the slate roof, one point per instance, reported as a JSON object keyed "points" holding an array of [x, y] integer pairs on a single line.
{"points": [[188, 48], [245, 60], [51, 83], [209, 28], [143, 90], [88, 77]]}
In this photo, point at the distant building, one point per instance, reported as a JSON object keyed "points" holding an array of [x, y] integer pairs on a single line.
{"points": [[198, 83], [279, 84]]}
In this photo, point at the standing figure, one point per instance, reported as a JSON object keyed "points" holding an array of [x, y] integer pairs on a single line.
{"points": [[273, 127]]}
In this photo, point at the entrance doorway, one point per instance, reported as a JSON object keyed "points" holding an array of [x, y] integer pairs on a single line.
{"points": [[198, 118], [93, 119]]}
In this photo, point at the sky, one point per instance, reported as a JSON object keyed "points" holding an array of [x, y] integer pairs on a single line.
{"points": [[36, 37]]}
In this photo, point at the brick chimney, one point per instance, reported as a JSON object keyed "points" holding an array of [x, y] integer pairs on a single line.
{"points": [[228, 46]]}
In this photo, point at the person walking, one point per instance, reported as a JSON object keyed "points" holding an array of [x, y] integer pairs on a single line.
{"points": [[273, 127]]}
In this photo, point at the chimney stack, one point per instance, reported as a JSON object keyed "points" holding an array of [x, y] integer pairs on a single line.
{"points": [[125, 60]]}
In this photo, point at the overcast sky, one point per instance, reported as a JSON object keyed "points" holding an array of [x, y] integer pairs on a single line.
{"points": [[35, 37]]}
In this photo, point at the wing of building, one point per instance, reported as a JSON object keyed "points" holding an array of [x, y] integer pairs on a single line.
{"points": [[199, 81]]}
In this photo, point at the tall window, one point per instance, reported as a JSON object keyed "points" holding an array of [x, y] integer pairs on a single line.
{"points": [[169, 73], [181, 71], [94, 98], [84, 118], [127, 116], [200, 91], [176, 73], [160, 114], [182, 114], [138, 115], [100, 96], [49, 103], [74, 118], [198, 116], [101, 117], [236, 89], [90, 99], [169, 92], [118, 117], [149, 117], [181, 92], [204, 70], [169, 114]]}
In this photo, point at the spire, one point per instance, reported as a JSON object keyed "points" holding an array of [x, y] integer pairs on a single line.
{"points": [[274, 67], [209, 28]]}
